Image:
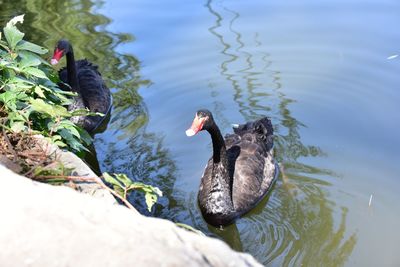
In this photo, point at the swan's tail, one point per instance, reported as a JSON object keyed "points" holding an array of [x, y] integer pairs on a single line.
{"points": [[259, 131], [261, 127]]}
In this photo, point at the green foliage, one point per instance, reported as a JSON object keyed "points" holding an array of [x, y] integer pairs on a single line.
{"points": [[123, 185], [55, 169], [29, 95]]}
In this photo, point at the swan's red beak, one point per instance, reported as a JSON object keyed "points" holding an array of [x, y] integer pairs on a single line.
{"points": [[196, 127], [58, 53]]}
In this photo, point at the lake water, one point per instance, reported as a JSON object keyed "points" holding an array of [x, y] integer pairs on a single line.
{"points": [[325, 72]]}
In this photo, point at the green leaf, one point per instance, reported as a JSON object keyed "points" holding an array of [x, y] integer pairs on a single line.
{"points": [[7, 97], [13, 67], [4, 62], [71, 140], [114, 182], [59, 91], [9, 100], [55, 94], [49, 86], [85, 136], [35, 72], [53, 170], [17, 116], [39, 92], [28, 59], [20, 82], [12, 34], [151, 199], [109, 178], [40, 106], [60, 143], [151, 192], [57, 139], [18, 126], [80, 112], [122, 178], [70, 126], [24, 45], [5, 47], [121, 183]]}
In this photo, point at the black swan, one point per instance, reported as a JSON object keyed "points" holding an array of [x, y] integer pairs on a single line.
{"points": [[240, 172], [83, 78]]}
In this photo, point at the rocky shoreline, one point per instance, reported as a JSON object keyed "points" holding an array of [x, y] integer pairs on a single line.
{"points": [[45, 225]]}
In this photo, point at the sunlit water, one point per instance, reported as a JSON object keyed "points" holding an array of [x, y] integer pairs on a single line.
{"points": [[326, 74]]}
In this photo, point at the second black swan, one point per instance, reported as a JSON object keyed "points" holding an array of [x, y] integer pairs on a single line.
{"points": [[84, 78], [240, 172]]}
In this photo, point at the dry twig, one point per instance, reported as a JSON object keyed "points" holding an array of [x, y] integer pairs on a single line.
{"points": [[10, 146], [87, 179]]}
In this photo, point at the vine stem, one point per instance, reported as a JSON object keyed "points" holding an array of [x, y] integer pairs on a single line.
{"points": [[10, 146], [89, 179]]}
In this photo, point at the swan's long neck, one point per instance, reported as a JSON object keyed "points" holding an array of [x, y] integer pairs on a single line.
{"points": [[221, 181], [71, 70], [219, 149]]}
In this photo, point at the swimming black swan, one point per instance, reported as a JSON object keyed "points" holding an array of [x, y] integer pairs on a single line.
{"points": [[83, 78], [240, 171]]}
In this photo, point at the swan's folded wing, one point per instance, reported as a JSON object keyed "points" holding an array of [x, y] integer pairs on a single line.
{"points": [[231, 140], [248, 176]]}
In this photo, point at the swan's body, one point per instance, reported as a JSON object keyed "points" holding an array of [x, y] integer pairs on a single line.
{"points": [[240, 172], [84, 78]]}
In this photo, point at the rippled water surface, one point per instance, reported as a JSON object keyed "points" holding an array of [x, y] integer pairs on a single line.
{"points": [[325, 72]]}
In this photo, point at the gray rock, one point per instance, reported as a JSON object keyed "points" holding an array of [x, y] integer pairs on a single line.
{"points": [[10, 164], [44, 225], [70, 160]]}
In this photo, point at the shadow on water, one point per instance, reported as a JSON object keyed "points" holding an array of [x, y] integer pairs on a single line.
{"points": [[125, 146], [297, 223]]}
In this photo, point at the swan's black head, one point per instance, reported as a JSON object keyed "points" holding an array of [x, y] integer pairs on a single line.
{"points": [[62, 48], [202, 121]]}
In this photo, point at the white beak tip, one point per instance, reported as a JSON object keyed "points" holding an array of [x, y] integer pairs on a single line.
{"points": [[190, 132], [53, 61]]}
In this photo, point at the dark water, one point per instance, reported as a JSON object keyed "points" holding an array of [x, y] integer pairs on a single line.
{"points": [[326, 74]]}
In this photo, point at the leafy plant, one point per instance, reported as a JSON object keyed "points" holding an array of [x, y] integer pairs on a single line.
{"points": [[30, 100], [55, 169], [123, 185]]}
